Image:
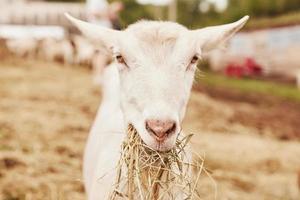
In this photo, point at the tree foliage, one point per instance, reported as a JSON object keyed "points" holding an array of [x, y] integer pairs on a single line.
{"points": [[190, 15]]}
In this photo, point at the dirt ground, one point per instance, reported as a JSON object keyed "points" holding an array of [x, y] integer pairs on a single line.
{"points": [[46, 111], [270, 116]]}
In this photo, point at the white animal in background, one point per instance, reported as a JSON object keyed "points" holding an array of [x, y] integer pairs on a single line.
{"points": [[84, 50], [49, 49], [154, 64], [67, 51], [23, 47], [57, 50]]}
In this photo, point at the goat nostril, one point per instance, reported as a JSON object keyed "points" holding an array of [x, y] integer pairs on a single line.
{"points": [[160, 129], [172, 129]]}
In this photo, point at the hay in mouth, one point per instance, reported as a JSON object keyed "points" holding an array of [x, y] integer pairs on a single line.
{"points": [[146, 174]]}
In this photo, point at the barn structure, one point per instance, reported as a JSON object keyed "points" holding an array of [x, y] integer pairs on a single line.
{"points": [[276, 50]]}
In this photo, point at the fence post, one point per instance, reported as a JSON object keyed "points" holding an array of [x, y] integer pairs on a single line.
{"points": [[298, 79], [173, 10]]}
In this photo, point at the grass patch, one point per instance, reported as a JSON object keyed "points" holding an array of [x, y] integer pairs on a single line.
{"points": [[250, 85], [277, 21]]}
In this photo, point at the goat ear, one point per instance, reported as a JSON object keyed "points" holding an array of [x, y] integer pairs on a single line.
{"points": [[97, 33], [212, 37]]}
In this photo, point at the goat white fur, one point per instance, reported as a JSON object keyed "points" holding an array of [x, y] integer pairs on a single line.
{"points": [[149, 83]]}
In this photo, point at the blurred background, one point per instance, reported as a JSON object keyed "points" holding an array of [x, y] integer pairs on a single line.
{"points": [[244, 110]]}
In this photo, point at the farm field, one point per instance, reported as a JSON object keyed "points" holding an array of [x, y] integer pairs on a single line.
{"points": [[250, 142]]}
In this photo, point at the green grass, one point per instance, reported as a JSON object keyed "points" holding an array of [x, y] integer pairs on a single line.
{"points": [[277, 21], [250, 85]]}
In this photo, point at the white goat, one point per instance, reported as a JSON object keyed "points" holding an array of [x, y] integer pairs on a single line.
{"points": [[151, 82], [57, 50], [84, 50], [23, 47]]}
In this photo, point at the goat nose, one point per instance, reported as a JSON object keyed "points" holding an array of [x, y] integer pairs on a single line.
{"points": [[160, 129]]}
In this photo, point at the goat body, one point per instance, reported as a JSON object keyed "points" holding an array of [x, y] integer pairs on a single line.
{"points": [[105, 138]]}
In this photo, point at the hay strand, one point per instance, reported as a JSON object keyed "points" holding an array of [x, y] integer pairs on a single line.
{"points": [[146, 174]]}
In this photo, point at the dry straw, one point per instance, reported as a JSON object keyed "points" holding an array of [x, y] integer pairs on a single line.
{"points": [[146, 174]]}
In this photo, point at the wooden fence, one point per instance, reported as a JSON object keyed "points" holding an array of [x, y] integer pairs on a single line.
{"points": [[276, 50]]}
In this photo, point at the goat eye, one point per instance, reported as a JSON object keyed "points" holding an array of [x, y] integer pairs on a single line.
{"points": [[120, 59], [194, 60]]}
